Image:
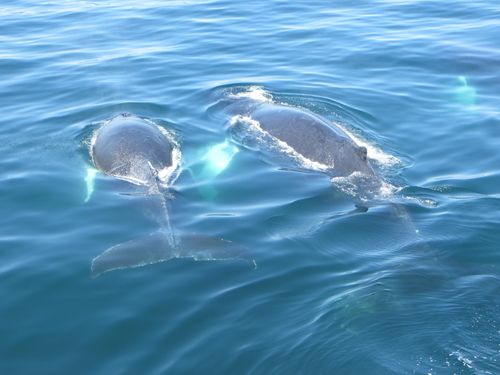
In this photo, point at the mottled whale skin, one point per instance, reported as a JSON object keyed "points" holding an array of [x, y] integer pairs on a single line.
{"points": [[313, 138], [132, 149], [137, 151]]}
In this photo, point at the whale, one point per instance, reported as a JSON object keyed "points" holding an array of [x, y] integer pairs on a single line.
{"points": [[314, 139], [147, 158], [299, 140]]}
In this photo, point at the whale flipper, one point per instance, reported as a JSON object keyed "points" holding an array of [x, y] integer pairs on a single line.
{"points": [[89, 180], [156, 247]]}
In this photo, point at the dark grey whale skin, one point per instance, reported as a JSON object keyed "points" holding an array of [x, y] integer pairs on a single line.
{"points": [[313, 138], [135, 150], [132, 149], [310, 135]]}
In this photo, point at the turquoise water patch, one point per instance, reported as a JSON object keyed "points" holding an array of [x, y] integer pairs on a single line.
{"points": [[464, 93], [215, 160]]}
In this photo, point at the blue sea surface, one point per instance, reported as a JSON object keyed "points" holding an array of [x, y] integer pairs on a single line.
{"points": [[417, 82]]}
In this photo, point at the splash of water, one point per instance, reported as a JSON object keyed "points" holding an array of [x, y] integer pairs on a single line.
{"points": [[253, 92]]}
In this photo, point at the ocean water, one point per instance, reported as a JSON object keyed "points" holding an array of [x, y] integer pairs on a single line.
{"points": [[417, 82]]}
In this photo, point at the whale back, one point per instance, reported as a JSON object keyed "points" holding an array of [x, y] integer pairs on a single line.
{"points": [[132, 149], [313, 138]]}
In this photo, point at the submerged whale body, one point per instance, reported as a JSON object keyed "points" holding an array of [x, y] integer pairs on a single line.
{"points": [[139, 152]]}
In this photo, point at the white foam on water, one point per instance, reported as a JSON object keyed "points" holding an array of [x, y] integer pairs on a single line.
{"points": [[365, 189], [254, 92], [374, 152], [167, 176], [465, 361]]}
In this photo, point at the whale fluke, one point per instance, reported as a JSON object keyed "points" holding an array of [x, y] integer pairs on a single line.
{"points": [[156, 248]]}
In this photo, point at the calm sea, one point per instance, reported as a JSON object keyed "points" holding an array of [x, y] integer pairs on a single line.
{"points": [[417, 82]]}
